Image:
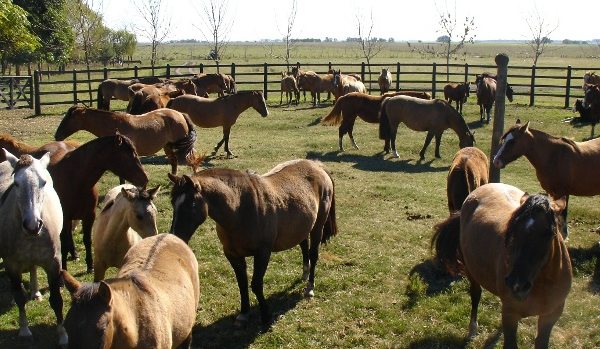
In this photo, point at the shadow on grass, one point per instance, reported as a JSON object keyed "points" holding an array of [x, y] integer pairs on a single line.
{"points": [[436, 279], [224, 334], [449, 341], [44, 336], [585, 261]]}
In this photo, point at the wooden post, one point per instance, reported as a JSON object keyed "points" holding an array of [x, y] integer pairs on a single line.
{"points": [[168, 71], [329, 92], [36, 92], [362, 72], [105, 73], [499, 108], [433, 78], [532, 87], [397, 76], [265, 79], [233, 70], [568, 88], [11, 90], [74, 86], [466, 73]]}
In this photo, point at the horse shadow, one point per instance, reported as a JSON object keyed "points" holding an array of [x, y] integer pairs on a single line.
{"points": [[587, 261], [44, 337], [224, 334], [450, 341]]}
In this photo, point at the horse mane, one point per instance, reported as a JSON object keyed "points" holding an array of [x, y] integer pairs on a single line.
{"points": [[25, 160], [534, 204], [85, 293]]}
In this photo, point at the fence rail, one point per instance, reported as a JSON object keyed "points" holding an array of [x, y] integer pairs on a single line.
{"points": [[558, 84], [16, 92]]}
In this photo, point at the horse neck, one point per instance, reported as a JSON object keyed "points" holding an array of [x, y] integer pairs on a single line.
{"points": [[559, 261], [102, 123], [118, 225], [458, 124], [124, 314], [90, 161], [540, 148], [245, 101]]}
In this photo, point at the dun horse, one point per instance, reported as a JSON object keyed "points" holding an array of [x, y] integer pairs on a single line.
{"points": [[163, 128], [127, 216], [113, 87], [220, 112], [433, 116], [30, 224], [349, 106], [290, 88], [56, 149], [384, 81], [257, 215], [469, 170], [151, 303], [458, 93], [548, 155], [507, 242]]}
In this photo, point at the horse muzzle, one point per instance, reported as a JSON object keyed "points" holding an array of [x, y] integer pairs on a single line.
{"points": [[33, 228], [497, 163], [518, 289]]}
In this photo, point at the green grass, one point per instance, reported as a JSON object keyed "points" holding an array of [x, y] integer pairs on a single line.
{"points": [[375, 284]]}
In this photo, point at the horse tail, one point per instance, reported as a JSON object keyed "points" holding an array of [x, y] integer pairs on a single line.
{"points": [[334, 117], [385, 130], [100, 97], [330, 228], [446, 242], [185, 145]]}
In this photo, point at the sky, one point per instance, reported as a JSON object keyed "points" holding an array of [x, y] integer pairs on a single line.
{"points": [[254, 20]]}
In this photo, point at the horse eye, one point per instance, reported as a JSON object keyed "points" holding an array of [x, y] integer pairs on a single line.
{"points": [[139, 217]]}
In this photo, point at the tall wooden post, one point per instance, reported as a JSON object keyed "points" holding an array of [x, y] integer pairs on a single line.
{"points": [[499, 108]]}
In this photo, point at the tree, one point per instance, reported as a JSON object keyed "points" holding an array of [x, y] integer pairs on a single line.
{"points": [[16, 36], [540, 31], [287, 40], [369, 45], [124, 43], [154, 24], [216, 26]]}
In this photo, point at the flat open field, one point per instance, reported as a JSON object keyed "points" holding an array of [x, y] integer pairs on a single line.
{"points": [[375, 284]]}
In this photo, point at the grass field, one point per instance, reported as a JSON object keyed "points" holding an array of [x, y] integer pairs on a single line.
{"points": [[375, 284]]}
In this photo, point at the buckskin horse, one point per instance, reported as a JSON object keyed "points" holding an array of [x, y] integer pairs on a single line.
{"points": [[469, 171]]}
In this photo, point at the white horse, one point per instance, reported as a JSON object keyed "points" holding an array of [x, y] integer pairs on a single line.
{"points": [[384, 81], [354, 86], [128, 215], [30, 223]]}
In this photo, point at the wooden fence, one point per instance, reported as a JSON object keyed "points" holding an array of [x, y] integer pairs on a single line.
{"points": [[555, 85]]}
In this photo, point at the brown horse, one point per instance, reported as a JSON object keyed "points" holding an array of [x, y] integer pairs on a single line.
{"points": [[163, 128], [590, 78], [365, 106], [346, 83], [185, 85], [507, 242], [206, 83], [257, 215], [142, 103], [486, 94], [384, 81], [56, 149], [585, 114], [290, 87], [311, 81], [113, 88], [220, 112], [433, 116], [141, 92], [592, 101], [547, 153], [458, 93], [469, 170], [75, 177], [151, 303]]}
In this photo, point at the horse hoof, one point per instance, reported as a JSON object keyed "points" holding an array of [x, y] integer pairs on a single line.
{"points": [[90, 270], [241, 320], [36, 296], [309, 293]]}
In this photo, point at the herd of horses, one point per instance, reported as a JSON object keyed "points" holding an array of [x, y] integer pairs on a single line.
{"points": [[498, 237]]}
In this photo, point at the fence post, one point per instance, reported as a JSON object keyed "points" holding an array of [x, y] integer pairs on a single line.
{"points": [[135, 71], [397, 76], [11, 90], [265, 79], [201, 68], [568, 88], [168, 71], [362, 72], [467, 73], [30, 89], [433, 78], [233, 70], [36, 91], [499, 108], [532, 87], [74, 86], [105, 73], [329, 92]]}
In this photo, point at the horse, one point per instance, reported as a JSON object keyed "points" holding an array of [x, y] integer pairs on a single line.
{"points": [[351, 105], [342, 81], [75, 177], [185, 85], [548, 153], [212, 82], [56, 149], [113, 87], [384, 81], [469, 170], [507, 242], [142, 104], [163, 128], [486, 94], [296, 72], [230, 87], [590, 78], [433, 116], [458, 93], [311, 81], [290, 87], [222, 111], [354, 86], [151, 303], [592, 101], [257, 215], [585, 114], [141, 92], [127, 216], [30, 224]]}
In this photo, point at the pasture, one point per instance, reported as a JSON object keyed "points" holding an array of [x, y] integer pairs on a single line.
{"points": [[375, 285]]}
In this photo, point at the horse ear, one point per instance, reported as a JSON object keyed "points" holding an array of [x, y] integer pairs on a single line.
{"points": [[524, 198], [173, 178], [71, 284], [105, 293], [526, 127], [153, 192], [558, 205], [10, 158], [127, 194], [45, 159]]}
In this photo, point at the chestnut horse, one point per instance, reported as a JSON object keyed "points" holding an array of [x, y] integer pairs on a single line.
{"points": [[590, 78], [384, 81], [222, 111], [257, 215], [507, 242], [142, 103], [433, 116], [163, 128], [206, 83], [486, 94], [30, 221], [290, 87], [113, 87], [365, 106], [151, 303], [469, 170], [75, 177], [458, 93], [592, 101], [547, 153], [128, 215], [56, 149]]}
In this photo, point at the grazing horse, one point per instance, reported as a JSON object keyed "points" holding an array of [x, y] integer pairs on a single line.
{"points": [[56, 149], [30, 224], [469, 170], [590, 78], [185, 85], [592, 101], [222, 111], [458, 93], [75, 177], [163, 128], [209, 82], [113, 87], [486, 94], [384, 81], [290, 87], [151, 303], [507, 242], [585, 114], [127, 216], [351, 105], [433, 116], [256, 215], [548, 153]]}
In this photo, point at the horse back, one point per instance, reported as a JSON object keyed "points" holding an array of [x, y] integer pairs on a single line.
{"points": [[417, 114]]}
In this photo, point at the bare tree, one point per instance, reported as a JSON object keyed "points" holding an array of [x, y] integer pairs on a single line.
{"points": [[155, 24], [369, 45], [540, 31], [287, 36], [216, 26]]}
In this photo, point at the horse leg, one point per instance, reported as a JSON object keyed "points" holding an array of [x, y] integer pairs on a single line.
{"points": [[564, 230], [305, 259], [56, 301], [281, 97], [34, 286], [261, 261], [171, 157], [20, 296], [438, 141], [428, 139], [86, 228], [239, 268], [66, 242], [510, 324], [187, 343], [226, 139], [352, 136], [475, 293], [545, 325]]}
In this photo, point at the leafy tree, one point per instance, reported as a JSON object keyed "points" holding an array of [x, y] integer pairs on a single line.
{"points": [[16, 37], [123, 43]]}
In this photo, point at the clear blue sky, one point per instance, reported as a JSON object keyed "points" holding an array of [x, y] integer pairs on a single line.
{"points": [[402, 20]]}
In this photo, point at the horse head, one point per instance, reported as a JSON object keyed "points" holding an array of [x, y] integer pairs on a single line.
{"points": [[141, 216], [123, 160], [69, 123], [592, 94], [513, 145], [337, 78], [189, 208], [528, 240], [259, 104], [509, 92]]}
